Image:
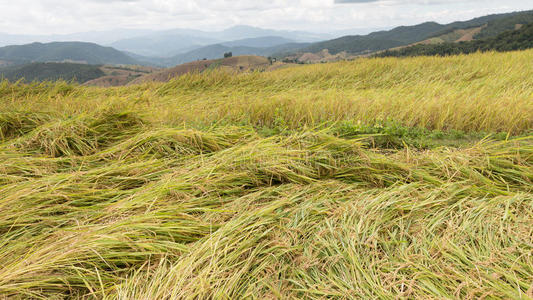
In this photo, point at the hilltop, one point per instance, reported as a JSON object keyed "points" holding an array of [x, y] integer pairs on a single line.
{"points": [[119, 76], [216, 51], [233, 64]]}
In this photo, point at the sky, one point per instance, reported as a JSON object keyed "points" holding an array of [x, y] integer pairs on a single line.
{"points": [[38, 17]]}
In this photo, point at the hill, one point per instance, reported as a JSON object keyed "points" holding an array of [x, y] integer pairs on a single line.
{"points": [[379, 178], [51, 72], [77, 52], [97, 75], [119, 76], [519, 39], [501, 25], [234, 64], [405, 35], [217, 51]]}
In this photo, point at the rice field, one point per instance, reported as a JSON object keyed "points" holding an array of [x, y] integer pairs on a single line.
{"points": [[371, 179]]}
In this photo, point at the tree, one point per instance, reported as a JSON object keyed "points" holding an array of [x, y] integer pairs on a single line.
{"points": [[228, 54]]}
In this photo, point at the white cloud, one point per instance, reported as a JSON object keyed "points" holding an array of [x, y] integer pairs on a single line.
{"points": [[66, 16]]}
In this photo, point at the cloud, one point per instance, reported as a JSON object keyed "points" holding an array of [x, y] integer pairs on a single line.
{"points": [[109, 1], [407, 2], [67, 16], [355, 1]]}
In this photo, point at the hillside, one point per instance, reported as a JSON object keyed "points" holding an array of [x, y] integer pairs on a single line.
{"points": [[519, 39], [233, 64], [77, 52], [97, 75], [119, 76], [379, 178], [498, 26], [405, 35], [51, 72], [217, 51]]}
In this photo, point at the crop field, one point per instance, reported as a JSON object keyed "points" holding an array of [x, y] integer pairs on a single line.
{"points": [[379, 178]]}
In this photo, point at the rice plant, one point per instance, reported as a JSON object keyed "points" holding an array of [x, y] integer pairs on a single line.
{"points": [[379, 178]]}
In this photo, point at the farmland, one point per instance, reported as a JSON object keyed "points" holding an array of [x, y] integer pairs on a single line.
{"points": [[375, 178]]}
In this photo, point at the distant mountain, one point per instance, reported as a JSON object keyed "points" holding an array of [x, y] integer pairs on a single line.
{"points": [[405, 35], [173, 42], [65, 52], [245, 32], [259, 42], [515, 39], [98, 37], [218, 50], [51, 72], [162, 44], [148, 60]]}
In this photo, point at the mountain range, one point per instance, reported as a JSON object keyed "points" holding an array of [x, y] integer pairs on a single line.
{"points": [[174, 47], [520, 38], [173, 42], [405, 35]]}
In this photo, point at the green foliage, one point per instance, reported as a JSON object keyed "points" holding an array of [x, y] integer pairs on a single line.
{"points": [[392, 134], [52, 72], [498, 26], [354, 45], [405, 35], [509, 41], [65, 52]]}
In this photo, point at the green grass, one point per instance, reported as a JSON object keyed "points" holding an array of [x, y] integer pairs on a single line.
{"points": [[379, 178]]}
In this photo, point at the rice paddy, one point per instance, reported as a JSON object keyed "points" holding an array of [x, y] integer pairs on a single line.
{"points": [[372, 179]]}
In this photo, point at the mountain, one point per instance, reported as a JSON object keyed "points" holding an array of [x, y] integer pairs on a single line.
{"points": [[51, 72], [88, 53], [405, 35], [498, 26], [259, 42], [244, 32], [163, 44], [218, 50], [177, 41], [98, 37], [516, 39]]}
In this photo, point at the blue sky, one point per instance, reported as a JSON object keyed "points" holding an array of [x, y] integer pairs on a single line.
{"points": [[68, 16]]}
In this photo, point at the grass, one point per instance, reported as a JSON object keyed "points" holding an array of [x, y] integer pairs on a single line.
{"points": [[378, 178]]}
